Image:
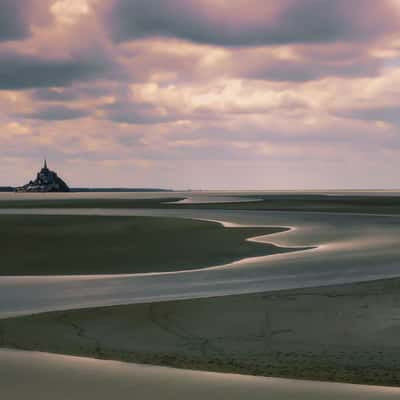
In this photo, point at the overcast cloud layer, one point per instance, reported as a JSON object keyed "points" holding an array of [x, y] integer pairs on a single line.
{"points": [[254, 94]]}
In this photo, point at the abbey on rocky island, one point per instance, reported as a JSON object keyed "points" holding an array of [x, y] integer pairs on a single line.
{"points": [[46, 181]]}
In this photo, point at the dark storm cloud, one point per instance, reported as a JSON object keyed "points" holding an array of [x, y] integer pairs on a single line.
{"points": [[56, 113], [18, 71], [13, 24], [18, 16], [251, 23]]}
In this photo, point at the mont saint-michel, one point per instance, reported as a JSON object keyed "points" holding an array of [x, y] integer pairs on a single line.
{"points": [[46, 181]]}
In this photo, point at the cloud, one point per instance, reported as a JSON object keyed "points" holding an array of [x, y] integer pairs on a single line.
{"points": [[251, 22], [56, 113], [188, 83], [18, 16], [389, 114], [302, 68], [54, 94], [12, 21], [66, 94], [175, 61], [137, 113], [21, 71]]}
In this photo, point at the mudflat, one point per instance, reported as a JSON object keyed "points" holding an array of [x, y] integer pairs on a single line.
{"points": [[65, 245], [346, 333]]}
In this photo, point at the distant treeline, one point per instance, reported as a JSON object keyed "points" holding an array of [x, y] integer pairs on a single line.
{"points": [[6, 189]]}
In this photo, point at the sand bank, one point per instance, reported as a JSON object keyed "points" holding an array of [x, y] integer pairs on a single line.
{"points": [[345, 333]]}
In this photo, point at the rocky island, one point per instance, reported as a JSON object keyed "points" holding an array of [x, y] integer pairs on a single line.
{"points": [[46, 181]]}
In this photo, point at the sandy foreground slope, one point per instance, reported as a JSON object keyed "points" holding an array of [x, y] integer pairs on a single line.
{"points": [[49, 377], [346, 333]]}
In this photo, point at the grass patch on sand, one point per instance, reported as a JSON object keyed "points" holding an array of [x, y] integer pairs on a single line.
{"points": [[58, 245]]}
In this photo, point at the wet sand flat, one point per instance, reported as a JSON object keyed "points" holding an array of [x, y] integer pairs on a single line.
{"points": [[346, 333]]}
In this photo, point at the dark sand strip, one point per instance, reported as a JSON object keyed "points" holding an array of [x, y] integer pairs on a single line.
{"points": [[346, 333], [66, 245]]}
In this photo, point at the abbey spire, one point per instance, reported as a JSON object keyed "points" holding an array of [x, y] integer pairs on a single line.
{"points": [[46, 181]]}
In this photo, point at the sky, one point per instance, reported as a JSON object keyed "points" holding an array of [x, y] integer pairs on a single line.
{"points": [[201, 94]]}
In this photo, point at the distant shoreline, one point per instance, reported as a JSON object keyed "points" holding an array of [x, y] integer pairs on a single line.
{"points": [[75, 190], [97, 190]]}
